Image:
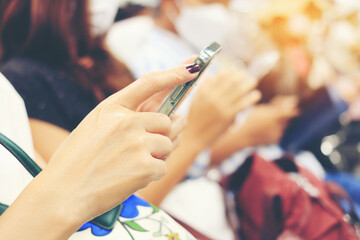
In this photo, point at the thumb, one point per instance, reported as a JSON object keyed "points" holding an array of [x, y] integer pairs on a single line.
{"points": [[136, 93]]}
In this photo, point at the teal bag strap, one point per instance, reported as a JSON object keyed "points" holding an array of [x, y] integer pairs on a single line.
{"points": [[20, 155], [106, 220]]}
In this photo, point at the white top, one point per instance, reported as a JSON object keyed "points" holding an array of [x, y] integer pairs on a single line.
{"points": [[14, 124]]}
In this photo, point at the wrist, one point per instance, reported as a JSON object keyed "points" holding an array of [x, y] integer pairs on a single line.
{"points": [[245, 137], [40, 212], [61, 210]]}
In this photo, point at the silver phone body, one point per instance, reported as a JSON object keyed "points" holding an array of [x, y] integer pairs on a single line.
{"points": [[203, 60]]}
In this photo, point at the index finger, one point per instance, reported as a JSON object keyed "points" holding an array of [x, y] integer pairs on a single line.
{"points": [[136, 93]]}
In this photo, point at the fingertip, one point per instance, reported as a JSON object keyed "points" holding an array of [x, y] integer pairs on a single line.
{"points": [[184, 73]]}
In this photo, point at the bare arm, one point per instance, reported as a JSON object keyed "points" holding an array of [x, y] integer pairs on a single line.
{"points": [[264, 125]]}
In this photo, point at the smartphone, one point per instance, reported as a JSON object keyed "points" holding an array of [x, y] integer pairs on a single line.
{"points": [[177, 94]]}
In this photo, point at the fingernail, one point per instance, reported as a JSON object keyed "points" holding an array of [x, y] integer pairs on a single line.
{"points": [[190, 65], [193, 68]]}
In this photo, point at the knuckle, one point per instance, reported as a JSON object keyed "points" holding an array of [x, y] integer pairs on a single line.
{"points": [[136, 144], [157, 169], [105, 113], [161, 170], [104, 109], [146, 163], [127, 121], [166, 121], [168, 145]]}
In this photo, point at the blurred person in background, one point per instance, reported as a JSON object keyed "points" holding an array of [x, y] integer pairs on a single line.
{"points": [[319, 46], [312, 54]]}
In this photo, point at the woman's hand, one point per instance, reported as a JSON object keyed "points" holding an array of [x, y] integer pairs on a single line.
{"points": [[216, 104], [111, 154], [179, 123], [214, 107]]}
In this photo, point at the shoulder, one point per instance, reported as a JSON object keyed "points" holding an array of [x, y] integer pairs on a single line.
{"points": [[49, 94], [27, 76], [34, 81], [22, 67], [28, 73]]}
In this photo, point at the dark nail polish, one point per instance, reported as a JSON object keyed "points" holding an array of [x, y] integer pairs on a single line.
{"points": [[193, 68], [190, 65]]}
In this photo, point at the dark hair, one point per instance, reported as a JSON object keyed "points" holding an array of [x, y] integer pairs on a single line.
{"points": [[56, 32], [128, 11]]}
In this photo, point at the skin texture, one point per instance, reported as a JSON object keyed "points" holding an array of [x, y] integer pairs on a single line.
{"points": [[97, 166], [48, 137], [265, 125], [213, 109]]}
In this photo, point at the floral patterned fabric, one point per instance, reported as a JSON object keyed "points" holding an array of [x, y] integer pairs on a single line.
{"points": [[138, 219]]}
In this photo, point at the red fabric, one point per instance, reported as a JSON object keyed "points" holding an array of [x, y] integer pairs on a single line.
{"points": [[194, 232], [317, 217]]}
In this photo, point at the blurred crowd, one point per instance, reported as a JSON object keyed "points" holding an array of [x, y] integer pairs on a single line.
{"points": [[265, 146]]}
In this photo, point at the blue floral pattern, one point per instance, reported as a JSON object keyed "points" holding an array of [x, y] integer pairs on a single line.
{"points": [[129, 209], [95, 230], [146, 222]]}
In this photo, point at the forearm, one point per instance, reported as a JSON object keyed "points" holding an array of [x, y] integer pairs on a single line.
{"points": [[228, 144], [177, 165], [40, 212]]}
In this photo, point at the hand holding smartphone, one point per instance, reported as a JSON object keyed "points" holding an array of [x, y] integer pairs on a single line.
{"points": [[177, 94]]}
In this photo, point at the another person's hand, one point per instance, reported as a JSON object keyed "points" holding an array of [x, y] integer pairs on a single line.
{"points": [[267, 122], [111, 154], [264, 125], [216, 104]]}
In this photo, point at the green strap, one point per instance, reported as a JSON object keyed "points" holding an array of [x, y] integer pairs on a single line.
{"points": [[3, 207], [106, 220], [20, 155]]}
